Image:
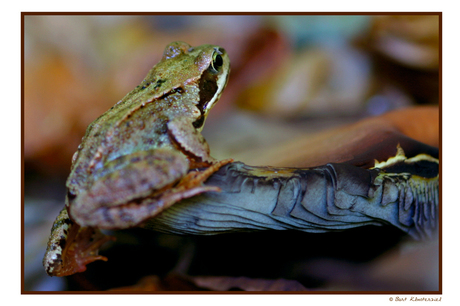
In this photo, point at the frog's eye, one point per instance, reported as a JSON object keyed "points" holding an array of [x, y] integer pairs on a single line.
{"points": [[217, 61]]}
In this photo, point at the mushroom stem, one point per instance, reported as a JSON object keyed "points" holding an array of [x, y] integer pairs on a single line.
{"points": [[402, 192]]}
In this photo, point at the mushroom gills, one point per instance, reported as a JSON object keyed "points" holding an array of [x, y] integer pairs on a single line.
{"points": [[403, 192]]}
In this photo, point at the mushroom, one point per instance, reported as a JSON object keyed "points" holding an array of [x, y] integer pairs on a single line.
{"points": [[401, 191], [338, 183]]}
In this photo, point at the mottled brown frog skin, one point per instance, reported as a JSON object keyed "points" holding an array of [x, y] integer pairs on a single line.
{"points": [[136, 159]]}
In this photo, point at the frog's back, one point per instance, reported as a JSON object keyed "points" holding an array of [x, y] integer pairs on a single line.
{"points": [[124, 129]]}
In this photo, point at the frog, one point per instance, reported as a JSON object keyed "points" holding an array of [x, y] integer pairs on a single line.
{"points": [[141, 156]]}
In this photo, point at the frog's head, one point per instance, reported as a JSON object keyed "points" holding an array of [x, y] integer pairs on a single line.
{"points": [[213, 80], [208, 70]]}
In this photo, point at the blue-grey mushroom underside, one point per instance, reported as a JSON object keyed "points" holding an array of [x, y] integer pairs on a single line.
{"points": [[401, 191]]}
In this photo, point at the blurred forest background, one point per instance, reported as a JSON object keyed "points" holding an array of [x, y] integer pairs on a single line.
{"points": [[291, 76]]}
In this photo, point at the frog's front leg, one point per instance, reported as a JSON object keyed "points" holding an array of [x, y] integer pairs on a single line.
{"points": [[189, 141], [117, 197]]}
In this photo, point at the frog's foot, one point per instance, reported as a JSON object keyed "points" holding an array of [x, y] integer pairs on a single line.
{"points": [[135, 213], [190, 185], [196, 177], [71, 247]]}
